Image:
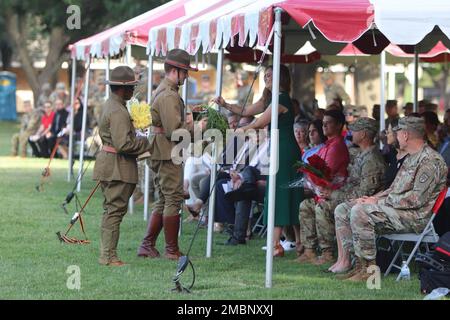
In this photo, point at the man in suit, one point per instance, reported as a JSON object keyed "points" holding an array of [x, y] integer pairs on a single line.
{"points": [[115, 166]]}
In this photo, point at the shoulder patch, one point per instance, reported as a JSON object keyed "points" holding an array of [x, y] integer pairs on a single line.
{"points": [[423, 178]]}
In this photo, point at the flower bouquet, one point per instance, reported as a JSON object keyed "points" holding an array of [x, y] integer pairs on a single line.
{"points": [[215, 119], [142, 120], [317, 175]]}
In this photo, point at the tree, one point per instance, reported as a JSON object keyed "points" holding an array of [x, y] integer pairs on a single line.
{"points": [[42, 24], [439, 73]]}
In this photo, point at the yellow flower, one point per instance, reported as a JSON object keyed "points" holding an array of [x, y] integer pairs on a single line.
{"points": [[140, 114]]}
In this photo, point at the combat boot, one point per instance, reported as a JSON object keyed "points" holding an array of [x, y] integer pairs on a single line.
{"points": [[363, 275], [308, 256], [147, 247], [326, 257], [171, 226], [352, 272]]}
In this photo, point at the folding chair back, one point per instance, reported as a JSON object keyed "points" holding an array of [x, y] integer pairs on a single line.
{"points": [[258, 224], [427, 236]]}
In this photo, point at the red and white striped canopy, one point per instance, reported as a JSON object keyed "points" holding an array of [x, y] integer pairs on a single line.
{"points": [[135, 31], [222, 23], [195, 24]]}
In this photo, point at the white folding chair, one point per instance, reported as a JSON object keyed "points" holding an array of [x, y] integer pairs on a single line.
{"points": [[427, 236], [258, 224]]}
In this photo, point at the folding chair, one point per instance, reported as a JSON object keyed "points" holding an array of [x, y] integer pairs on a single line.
{"points": [[427, 236], [258, 224]]}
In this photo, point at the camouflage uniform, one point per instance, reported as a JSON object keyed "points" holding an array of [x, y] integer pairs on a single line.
{"points": [[96, 108], [366, 178], [29, 125], [406, 205], [317, 223], [334, 91]]}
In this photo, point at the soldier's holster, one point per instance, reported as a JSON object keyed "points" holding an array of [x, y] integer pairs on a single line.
{"points": [[147, 248], [171, 227]]}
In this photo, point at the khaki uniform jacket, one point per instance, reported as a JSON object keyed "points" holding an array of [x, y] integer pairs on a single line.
{"points": [[168, 113], [116, 130]]}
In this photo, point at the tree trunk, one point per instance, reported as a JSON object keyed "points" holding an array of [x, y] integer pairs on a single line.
{"points": [[16, 28], [56, 56], [443, 85], [13, 24], [303, 83]]}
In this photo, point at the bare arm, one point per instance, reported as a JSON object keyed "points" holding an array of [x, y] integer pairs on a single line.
{"points": [[250, 110], [265, 118]]}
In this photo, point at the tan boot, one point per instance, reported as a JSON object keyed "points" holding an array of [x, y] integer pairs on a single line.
{"points": [[326, 257], [356, 269], [363, 275], [308, 256]]}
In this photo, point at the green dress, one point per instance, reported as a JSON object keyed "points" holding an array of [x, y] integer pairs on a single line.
{"points": [[287, 200]]}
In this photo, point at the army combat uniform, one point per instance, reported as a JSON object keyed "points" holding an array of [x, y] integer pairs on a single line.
{"points": [[365, 179], [404, 207], [29, 125], [116, 169]]}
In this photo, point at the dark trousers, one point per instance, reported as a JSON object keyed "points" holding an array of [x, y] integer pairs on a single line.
{"points": [[205, 183], [442, 221], [242, 213], [224, 209]]}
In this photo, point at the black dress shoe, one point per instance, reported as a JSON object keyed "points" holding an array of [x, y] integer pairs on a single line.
{"points": [[245, 192], [233, 242]]}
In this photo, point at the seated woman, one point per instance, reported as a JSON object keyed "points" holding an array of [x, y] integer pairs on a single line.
{"points": [[301, 134], [36, 140], [394, 157], [316, 137], [77, 127]]}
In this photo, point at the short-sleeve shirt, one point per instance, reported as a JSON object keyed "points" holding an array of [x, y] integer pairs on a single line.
{"points": [[335, 153]]}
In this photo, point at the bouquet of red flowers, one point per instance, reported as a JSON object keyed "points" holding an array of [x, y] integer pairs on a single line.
{"points": [[317, 176]]}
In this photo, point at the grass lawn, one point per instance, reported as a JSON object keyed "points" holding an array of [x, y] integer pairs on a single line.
{"points": [[33, 263]]}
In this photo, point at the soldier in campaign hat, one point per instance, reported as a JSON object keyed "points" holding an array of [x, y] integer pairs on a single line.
{"points": [[115, 166], [168, 115]]}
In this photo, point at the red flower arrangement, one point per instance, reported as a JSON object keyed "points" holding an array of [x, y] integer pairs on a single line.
{"points": [[317, 172]]}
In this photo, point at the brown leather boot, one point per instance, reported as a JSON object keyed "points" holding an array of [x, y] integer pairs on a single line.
{"points": [[171, 226], [363, 273], [308, 256], [356, 269], [147, 248], [299, 248], [326, 257]]}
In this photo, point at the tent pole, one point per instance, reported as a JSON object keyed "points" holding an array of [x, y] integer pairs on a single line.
{"points": [[416, 79], [212, 199], [107, 76], [72, 102], [128, 62], [83, 128], [273, 146], [382, 90], [147, 169]]}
